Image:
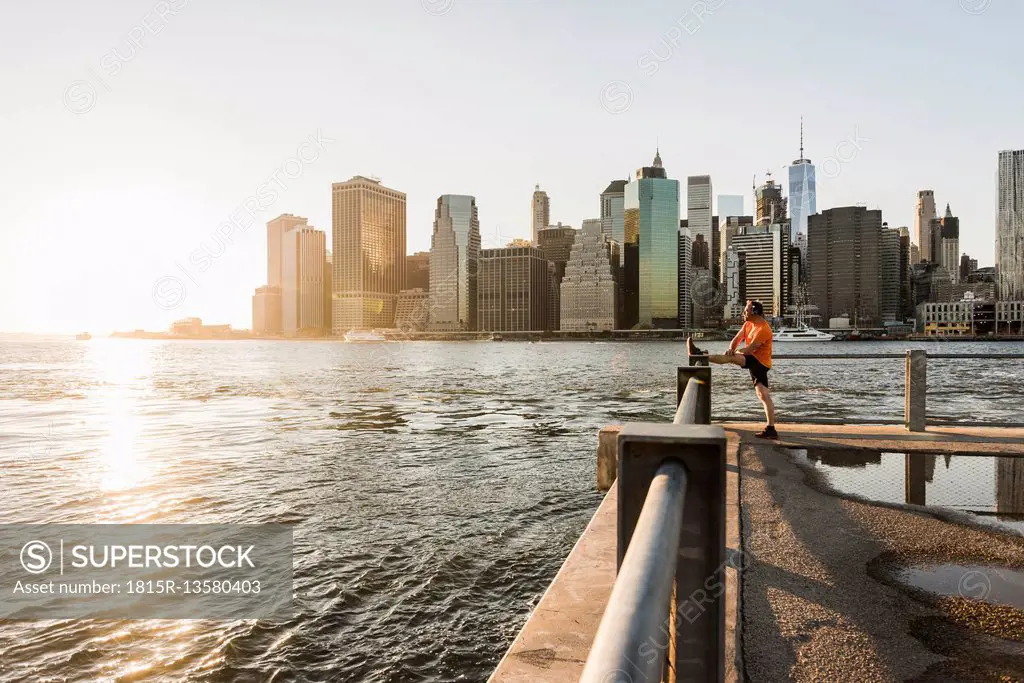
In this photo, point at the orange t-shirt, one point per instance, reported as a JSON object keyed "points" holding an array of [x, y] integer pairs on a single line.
{"points": [[754, 333]]}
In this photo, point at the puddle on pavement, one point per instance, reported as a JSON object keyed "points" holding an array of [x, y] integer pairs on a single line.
{"points": [[989, 487], [988, 584]]}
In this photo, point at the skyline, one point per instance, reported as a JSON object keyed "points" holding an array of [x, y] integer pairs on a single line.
{"points": [[105, 202]]}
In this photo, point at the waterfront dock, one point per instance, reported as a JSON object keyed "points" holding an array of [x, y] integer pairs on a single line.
{"points": [[813, 584]]}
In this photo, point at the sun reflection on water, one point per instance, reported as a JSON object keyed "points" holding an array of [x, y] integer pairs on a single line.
{"points": [[123, 372]]}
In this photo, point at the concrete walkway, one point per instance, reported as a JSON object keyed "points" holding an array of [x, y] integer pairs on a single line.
{"points": [[819, 597]]}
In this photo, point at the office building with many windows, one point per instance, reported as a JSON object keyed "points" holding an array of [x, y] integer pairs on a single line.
{"points": [[513, 287], [368, 250], [1010, 226], [454, 256], [844, 249], [588, 287]]}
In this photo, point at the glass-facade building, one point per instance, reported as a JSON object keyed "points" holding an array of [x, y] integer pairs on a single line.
{"points": [[802, 196], [651, 222], [730, 205], [454, 256]]}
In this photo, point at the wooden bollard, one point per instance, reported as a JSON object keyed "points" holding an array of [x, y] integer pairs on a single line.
{"points": [[607, 457]]}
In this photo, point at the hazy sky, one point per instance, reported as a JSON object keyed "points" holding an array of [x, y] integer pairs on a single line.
{"points": [[118, 163]]}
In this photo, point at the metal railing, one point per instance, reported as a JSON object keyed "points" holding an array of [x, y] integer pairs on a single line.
{"points": [[915, 417], [671, 538]]}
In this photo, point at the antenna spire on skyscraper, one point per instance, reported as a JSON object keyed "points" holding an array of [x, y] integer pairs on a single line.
{"points": [[801, 137]]}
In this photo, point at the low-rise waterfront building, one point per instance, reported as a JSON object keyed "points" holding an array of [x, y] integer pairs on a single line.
{"points": [[411, 313], [195, 329], [945, 319], [1010, 317], [266, 311]]}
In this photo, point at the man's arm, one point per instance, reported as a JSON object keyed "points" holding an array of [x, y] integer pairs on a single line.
{"points": [[734, 344], [749, 350]]}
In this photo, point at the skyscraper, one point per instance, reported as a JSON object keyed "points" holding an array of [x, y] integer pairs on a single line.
{"points": [[698, 216], [651, 222], [949, 253], [729, 205], [802, 192], [368, 248], [906, 271], [555, 243], [594, 221], [889, 274], [303, 256], [588, 288], [847, 240], [454, 253], [764, 252], [684, 259], [612, 210], [734, 271], [328, 288], [727, 227], [771, 206], [934, 241], [276, 228], [1010, 226], [925, 213], [541, 212], [417, 271], [513, 290]]}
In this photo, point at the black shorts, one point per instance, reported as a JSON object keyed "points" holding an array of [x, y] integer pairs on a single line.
{"points": [[758, 372]]}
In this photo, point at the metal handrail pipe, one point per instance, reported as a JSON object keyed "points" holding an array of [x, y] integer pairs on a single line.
{"points": [[858, 356], [835, 356], [811, 419], [638, 608], [985, 356], [686, 411]]}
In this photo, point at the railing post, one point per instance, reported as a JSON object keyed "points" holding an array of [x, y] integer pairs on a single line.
{"points": [[914, 410], [697, 617], [702, 373]]}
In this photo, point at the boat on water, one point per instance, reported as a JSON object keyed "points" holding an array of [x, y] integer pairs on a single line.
{"points": [[801, 333], [84, 336], [362, 336]]}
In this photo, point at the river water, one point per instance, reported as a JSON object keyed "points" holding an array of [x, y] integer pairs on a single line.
{"points": [[434, 488]]}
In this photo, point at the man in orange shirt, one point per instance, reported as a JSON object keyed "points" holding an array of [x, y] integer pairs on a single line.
{"points": [[755, 355]]}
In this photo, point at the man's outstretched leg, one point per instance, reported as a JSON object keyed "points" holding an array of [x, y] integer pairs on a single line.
{"points": [[727, 359]]}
